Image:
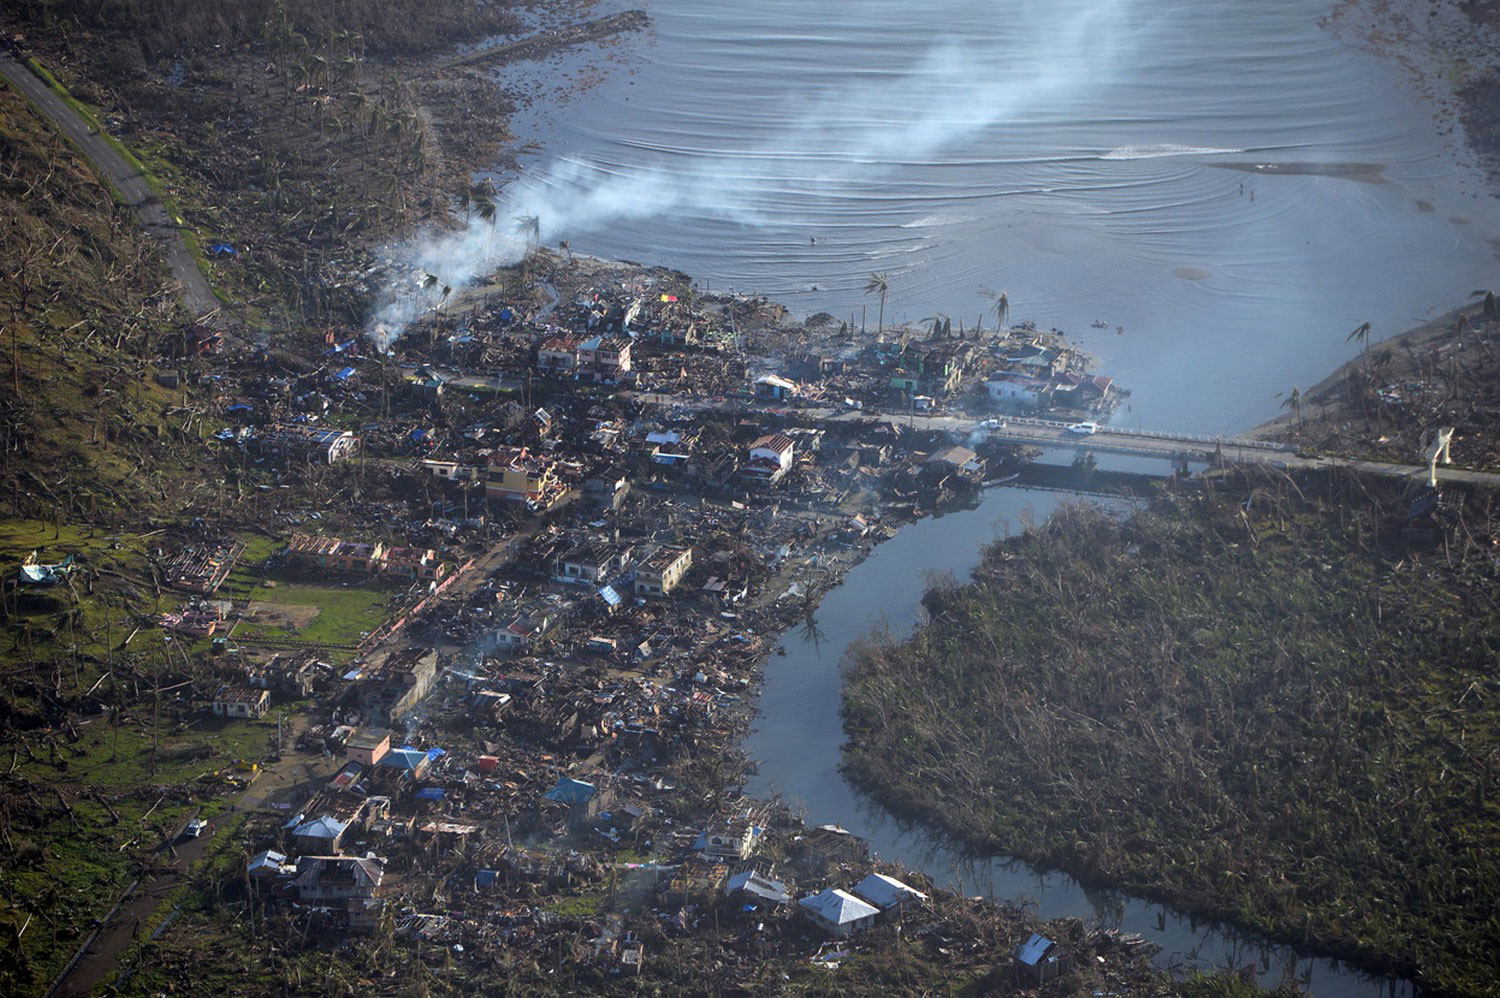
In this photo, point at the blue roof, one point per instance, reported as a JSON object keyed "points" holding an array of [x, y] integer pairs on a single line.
{"points": [[404, 758], [610, 596], [347, 372], [571, 791], [1033, 949], [431, 793], [484, 878]]}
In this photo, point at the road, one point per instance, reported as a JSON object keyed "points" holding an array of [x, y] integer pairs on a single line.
{"points": [[99, 957], [1054, 434], [197, 296]]}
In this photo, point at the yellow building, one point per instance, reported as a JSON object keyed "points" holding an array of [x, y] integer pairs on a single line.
{"points": [[517, 475]]}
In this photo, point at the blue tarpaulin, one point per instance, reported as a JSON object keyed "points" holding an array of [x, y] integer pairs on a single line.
{"points": [[431, 793], [345, 374]]}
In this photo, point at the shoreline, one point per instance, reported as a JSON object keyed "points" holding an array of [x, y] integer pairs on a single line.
{"points": [[782, 615]]}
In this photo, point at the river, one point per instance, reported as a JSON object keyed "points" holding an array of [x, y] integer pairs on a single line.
{"points": [[1102, 161], [798, 739]]}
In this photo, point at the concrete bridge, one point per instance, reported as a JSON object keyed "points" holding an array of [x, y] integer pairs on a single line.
{"points": [[1054, 434]]}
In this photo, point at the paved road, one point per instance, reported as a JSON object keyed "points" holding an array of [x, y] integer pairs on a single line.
{"points": [[1051, 433], [100, 956], [197, 296]]}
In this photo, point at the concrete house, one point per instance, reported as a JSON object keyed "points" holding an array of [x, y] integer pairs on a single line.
{"points": [[367, 746], [558, 357], [732, 840], [592, 562], [660, 571], [837, 912], [338, 878], [770, 457], [524, 630], [604, 360], [412, 563], [1016, 389], [517, 475], [886, 893], [241, 701]]}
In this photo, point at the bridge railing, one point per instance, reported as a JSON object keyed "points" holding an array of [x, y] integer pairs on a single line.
{"points": [[1204, 438]]}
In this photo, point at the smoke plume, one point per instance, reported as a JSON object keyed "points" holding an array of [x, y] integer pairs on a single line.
{"points": [[1060, 52]]}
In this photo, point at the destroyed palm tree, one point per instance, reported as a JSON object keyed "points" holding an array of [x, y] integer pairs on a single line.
{"points": [[1001, 306], [879, 283], [1491, 309], [1292, 400], [567, 248], [1361, 333], [529, 226]]}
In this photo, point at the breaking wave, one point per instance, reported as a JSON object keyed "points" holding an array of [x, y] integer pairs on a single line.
{"points": [[1160, 150]]}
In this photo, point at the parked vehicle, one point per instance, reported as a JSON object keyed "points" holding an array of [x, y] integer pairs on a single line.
{"points": [[1083, 429]]}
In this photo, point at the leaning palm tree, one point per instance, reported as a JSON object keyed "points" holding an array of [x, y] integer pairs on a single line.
{"points": [[567, 248], [879, 283], [1001, 306], [1293, 400], [1361, 333]]}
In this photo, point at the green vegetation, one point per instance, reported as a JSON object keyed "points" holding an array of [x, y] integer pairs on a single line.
{"points": [[334, 615], [1255, 702]]}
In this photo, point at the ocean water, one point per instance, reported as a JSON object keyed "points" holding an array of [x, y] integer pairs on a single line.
{"points": [[1075, 154]]}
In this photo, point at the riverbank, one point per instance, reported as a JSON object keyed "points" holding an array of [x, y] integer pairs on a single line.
{"points": [[1161, 704], [1386, 402]]}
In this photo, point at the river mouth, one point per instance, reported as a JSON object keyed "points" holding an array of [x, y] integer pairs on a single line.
{"points": [[789, 150]]}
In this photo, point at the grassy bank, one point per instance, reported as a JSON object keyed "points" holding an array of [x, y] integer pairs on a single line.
{"points": [[1256, 703]]}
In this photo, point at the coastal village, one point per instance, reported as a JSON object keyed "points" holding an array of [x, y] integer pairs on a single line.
{"points": [[376, 631], [513, 622]]}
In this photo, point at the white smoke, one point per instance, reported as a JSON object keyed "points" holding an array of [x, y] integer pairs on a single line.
{"points": [[1060, 51]]}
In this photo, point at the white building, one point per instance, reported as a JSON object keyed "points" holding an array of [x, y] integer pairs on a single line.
{"points": [[886, 893], [838, 912], [1016, 389], [770, 457]]}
